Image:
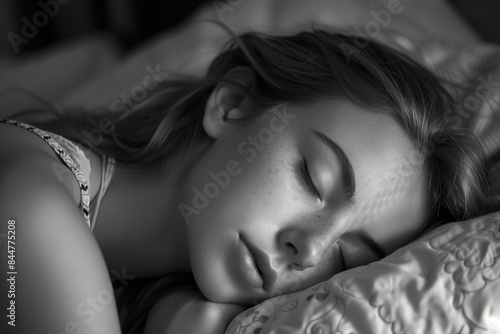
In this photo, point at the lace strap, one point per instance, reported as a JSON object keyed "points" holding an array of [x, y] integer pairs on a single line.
{"points": [[107, 169]]}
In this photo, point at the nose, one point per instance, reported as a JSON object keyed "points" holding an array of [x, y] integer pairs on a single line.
{"points": [[301, 249]]}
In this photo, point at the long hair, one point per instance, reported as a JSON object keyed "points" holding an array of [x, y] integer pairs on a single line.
{"points": [[305, 67]]}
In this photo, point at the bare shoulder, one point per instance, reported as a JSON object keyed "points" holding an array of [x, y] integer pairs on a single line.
{"points": [[26, 156], [32, 189], [56, 256], [17, 143]]}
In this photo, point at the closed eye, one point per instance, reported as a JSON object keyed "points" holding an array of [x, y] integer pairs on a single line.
{"points": [[308, 182], [341, 257]]}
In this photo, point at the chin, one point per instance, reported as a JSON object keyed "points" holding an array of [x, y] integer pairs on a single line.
{"points": [[222, 290], [212, 281], [214, 276], [217, 292]]}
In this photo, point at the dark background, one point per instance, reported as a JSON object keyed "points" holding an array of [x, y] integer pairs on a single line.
{"points": [[133, 21]]}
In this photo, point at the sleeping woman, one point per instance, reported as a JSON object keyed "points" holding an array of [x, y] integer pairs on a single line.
{"points": [[295, 158]]}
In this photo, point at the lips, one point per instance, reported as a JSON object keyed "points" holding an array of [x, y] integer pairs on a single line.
{"points": [[248, 266]]}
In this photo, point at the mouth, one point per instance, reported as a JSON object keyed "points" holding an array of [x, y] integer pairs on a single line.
{"points": [[248, 265]]}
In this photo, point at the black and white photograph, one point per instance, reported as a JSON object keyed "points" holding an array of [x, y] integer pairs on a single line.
{"points": [[250, 166]]}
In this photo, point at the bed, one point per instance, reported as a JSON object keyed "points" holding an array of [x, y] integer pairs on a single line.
{"points": [[448, 280]]}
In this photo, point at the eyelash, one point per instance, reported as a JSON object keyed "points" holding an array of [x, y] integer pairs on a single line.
{"points": [[341, 257], [311, 188]]}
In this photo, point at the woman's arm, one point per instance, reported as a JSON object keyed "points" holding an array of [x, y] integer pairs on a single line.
{"points": [[190, 312], [60, 283]]}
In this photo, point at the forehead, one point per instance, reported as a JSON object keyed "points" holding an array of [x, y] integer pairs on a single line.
{"points": [[365, 135], [390, 191]]}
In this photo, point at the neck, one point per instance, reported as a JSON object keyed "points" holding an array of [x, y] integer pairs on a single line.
{"points": [[139, 227]]}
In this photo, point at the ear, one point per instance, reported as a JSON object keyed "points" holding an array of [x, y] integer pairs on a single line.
{"points": [[226, 101]]}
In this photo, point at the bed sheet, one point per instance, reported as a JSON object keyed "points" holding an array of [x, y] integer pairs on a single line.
{"points": [[52, 74], [190, 48], [430, 31]]}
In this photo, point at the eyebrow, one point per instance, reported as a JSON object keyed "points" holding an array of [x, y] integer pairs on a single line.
{"points": [[368, 240], [347, 172]]}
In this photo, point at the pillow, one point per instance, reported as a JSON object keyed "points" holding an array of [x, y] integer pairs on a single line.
{"points": [[447, 281]]}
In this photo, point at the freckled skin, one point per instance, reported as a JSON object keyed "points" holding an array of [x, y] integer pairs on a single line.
{"points": [[268, 203]]}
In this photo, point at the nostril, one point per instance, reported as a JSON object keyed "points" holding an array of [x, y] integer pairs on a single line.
{"points": [[296, 267], [292, 247]]}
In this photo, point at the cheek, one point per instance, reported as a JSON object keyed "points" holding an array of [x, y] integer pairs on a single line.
{"points": [[393, 215], [260, 193], [271, 186], [261, 199]]}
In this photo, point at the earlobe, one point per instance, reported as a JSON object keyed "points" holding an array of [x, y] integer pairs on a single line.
{"points": [[214, 121], [226, 101]]}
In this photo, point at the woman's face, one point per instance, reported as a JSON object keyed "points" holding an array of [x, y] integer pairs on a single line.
{"points": [[285, 201]]}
